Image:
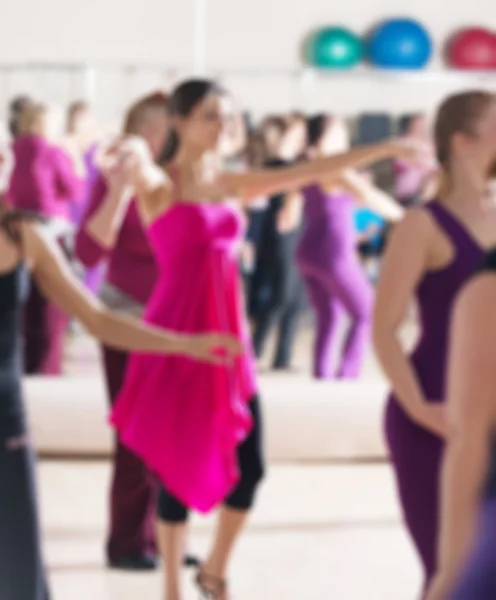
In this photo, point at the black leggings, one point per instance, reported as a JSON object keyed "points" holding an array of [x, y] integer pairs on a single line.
{"points": [[251, 465], [287, 298], [22, 573]]}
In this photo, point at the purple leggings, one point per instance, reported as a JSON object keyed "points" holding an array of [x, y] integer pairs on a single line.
{"points": [[341, 290], [416, 457]]}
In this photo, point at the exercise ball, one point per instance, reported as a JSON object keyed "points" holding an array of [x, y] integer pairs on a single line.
{"points": [[335, 48], [399, 44], [473, 48]]}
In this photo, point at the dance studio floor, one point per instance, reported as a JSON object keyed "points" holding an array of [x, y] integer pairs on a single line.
{"points": [[320, 532]]}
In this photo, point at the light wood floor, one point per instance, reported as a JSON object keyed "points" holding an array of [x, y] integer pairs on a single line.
{"points": [[319, 532]]}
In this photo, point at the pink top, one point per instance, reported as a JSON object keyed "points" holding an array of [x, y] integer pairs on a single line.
{"points": [[410, 178], [43, 179], [131, 266], [185, 418]]}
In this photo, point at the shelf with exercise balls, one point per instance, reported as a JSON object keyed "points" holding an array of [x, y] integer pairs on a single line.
{"points": [[399, 44], [334, 49], [472, 49]]}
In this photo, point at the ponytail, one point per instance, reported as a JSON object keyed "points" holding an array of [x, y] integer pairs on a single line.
{"points": [[170, 149]]}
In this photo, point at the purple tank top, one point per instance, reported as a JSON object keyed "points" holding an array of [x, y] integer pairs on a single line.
{"points": [[436, 294], [329, 228]]}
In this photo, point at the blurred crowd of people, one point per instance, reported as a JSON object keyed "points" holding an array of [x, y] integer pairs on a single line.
{"points": [[52, 168]]}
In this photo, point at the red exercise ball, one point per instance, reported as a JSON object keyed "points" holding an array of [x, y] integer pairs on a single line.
{"points": [[473, 48]]}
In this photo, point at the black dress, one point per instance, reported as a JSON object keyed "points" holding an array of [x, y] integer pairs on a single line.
{"points": [[22, 575]]}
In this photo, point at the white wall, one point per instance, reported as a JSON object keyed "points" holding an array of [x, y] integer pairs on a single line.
{"points": [[254, 46]]}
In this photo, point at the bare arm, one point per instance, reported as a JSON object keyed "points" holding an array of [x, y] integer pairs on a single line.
{"points": [[269, 182], [371, 196], [106, 221], [57, 282], [403, 267], [471, 385]]}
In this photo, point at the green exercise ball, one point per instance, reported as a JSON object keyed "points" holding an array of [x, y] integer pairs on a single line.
{"points": [[335, 48]]}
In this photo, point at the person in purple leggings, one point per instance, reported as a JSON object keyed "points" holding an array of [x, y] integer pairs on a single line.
{"points": [[467, 546], [431, 255], [327, 254]]}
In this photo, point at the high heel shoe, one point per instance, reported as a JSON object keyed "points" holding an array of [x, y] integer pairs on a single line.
{"points": [[210, 587]]}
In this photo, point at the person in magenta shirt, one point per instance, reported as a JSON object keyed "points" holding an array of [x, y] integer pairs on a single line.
{"points": [[43, 181], [111, 232], [43, 178]]}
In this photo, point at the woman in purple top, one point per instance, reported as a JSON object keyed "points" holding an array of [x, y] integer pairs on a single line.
{"points": [[431, 255], [111, 231], [44, 181], [327, 254]]}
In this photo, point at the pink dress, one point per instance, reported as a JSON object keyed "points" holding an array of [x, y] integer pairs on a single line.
{"points": [[184, 418]]}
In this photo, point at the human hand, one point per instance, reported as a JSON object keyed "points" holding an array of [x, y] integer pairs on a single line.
{"points": [[432, 416], [215, 348]]}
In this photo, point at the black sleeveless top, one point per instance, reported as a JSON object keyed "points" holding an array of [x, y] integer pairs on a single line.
{"points": [[490, 265], [14, 288]]}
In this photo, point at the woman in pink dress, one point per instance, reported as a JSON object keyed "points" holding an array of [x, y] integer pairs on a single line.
{"points": [[199, 428]]}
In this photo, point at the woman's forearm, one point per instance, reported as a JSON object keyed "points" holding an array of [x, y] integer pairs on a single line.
{"points": [[124, 332], [105, 223], [464, 469]]}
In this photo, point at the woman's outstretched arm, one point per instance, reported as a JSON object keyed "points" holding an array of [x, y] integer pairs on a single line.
{"points": [[268, 182], [58, 283]]}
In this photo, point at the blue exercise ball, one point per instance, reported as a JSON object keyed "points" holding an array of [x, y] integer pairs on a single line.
{"points": [[400, 44]]}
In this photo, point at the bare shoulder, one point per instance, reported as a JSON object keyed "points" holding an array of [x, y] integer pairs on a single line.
{"points": [[34, 240], [416, 229], [416, 220]]}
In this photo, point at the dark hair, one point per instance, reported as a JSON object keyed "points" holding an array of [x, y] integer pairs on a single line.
{"points": [[406, 121], [184, 99], [16, 107], [10, 219], [458, 114], [73, 111], [316, 127]]}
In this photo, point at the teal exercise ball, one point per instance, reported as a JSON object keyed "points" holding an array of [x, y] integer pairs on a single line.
{"points": [[335, 48]]}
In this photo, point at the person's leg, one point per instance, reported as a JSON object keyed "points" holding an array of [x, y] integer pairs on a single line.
{"points": [[328, 313], [290, 318], [22, 573], [416, 457], [133, 495], [172, 535], [275, 268], [237, 507], [349, 284]]}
